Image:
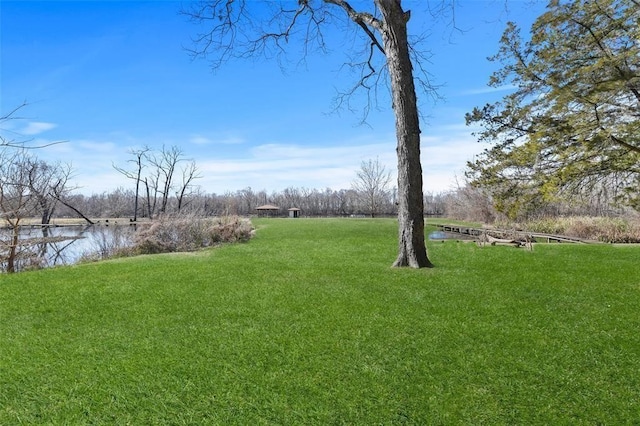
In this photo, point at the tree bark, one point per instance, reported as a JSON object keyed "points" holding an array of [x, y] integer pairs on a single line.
{"points": [[412, 248], [13, 249]]}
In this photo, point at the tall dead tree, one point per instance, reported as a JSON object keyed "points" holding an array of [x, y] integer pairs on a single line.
{"points": [[156, 172], [166, 162], [139, 159], [241, 28]]}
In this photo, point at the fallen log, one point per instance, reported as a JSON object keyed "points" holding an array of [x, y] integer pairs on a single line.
{"points": [[485, 238]]}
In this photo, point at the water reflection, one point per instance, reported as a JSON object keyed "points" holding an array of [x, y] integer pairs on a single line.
{"points": [[438, 235], [63, 245], [442, 235]]}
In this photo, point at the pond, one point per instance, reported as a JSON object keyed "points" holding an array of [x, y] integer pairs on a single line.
{"points": [[442, 235], [65, 245]]}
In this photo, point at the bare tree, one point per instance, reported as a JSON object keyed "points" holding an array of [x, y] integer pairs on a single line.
{"points": [[234, 29], [249, 200], [8, 141], [189, 174], [467, 202], [151, 185], [28, 187], [15, 202], [48, 183], [7, 137], [346, 200], [136, 175], [156, 172], [434, 204], [371, 184], [165, 163]]}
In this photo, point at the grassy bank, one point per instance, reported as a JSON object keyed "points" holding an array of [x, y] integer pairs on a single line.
{"points": [[308, 324]]}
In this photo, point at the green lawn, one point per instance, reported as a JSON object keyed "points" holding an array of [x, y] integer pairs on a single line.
{"points": [[309, 324]]}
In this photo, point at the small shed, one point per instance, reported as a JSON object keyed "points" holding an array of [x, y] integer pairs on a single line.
{"points": [[268, 210], [294, 212]]}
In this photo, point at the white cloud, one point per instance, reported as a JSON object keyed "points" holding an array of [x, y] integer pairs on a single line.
{"points": [[488, 89], [92, 162], [105, 179], [95, 147], [444, 157], [36, 127], [327, 154], [276, 166], [198, 139]]}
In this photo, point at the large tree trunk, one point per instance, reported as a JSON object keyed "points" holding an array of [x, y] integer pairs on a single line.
{"points": [[412, 248]]}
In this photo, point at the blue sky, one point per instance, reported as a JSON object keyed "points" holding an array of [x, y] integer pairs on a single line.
{"points": [[111, 76]]}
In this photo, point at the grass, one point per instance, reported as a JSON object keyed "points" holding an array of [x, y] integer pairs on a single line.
{"points": [[308, 324]]}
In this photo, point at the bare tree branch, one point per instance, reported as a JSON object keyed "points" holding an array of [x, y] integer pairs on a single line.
{"points": [[11, 143], [364, 20]]}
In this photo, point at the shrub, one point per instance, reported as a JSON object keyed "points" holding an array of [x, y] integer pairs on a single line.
{"points": [[230, 230], [605, 229], [189, 233], [470, 204]]}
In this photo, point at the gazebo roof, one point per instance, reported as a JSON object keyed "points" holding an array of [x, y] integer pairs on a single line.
{"points": [[268, 207]]}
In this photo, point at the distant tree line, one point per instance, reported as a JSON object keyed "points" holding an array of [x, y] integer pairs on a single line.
{"points": [[312, 202], [120, 203], [465, 203]]}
